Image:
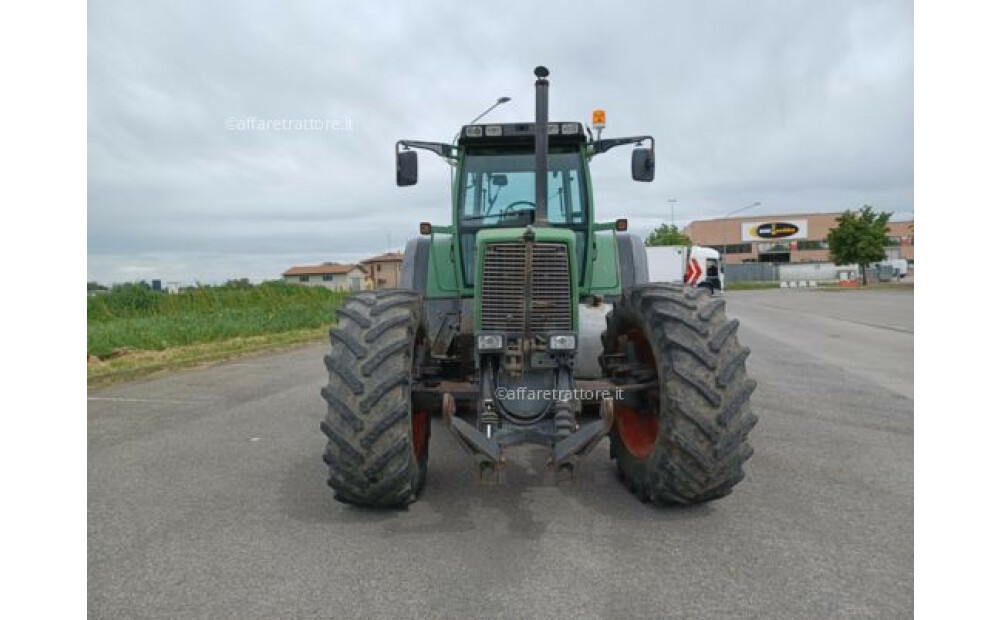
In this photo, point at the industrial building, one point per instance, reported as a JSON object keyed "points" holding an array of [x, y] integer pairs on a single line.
{"points": [[785, 238]]}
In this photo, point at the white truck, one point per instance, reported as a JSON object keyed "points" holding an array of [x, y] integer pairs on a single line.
{"points": [[694, 265]]}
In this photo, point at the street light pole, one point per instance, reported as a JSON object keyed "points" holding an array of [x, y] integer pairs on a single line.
{"points": [[499, 102], [672, 202], [725, 246]]}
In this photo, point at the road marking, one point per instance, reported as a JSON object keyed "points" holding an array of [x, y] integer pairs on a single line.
{"points": [[164, 401]]}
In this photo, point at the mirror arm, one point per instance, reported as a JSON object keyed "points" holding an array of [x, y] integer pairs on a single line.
{"points": [[447, 151], [603, 146]]}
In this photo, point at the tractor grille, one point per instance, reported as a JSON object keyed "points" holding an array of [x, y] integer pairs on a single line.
{"points": [[505, 284]]}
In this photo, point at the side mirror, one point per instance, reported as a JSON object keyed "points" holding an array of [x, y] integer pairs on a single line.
{"points": [[406, 168], [643, 165]]}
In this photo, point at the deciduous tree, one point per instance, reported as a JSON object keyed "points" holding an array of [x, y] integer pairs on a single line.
{"points": [[667, 234], [860, 237]]}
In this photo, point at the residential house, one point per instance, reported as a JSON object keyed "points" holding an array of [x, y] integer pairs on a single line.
{"points": [[331, 275], [385, 270]]}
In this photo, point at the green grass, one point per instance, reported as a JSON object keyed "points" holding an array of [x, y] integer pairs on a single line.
{"points": [[750, 286], [134, 319], [137, 364]]}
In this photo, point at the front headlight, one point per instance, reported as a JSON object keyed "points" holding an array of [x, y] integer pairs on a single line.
{"points": [[489, 342], [562, 342]]}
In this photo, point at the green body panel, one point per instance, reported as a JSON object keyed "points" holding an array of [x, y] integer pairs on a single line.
{"points": [[548, 234], [605, 274], [601, 269], [442, 268]]}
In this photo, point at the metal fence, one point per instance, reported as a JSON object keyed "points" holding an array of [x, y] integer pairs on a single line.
{"points": [[793, 272], [751, 272]]}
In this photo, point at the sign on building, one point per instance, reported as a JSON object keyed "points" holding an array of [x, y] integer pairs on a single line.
{"points": [[775, 229]]}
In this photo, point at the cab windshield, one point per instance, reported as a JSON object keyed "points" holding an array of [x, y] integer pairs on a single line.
{"points": [[497, 190]]}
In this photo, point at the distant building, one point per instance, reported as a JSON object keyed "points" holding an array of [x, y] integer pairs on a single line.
{"points": [[334, 276], [795, 238], [385, 270]]}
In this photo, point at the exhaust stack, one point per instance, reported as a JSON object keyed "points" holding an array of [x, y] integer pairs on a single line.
{"points": [[541, 146]]}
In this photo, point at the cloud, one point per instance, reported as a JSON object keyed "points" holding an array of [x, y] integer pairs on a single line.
{"points": [[802, 106]]}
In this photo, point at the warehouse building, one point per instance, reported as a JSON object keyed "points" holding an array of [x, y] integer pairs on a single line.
{"points": [[786, 238]]}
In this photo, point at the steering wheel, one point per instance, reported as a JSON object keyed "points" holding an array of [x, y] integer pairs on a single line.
{"points": [[509, 209]]}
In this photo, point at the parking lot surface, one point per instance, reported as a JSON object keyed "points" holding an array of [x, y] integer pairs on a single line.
{"points": [[207, 498]]}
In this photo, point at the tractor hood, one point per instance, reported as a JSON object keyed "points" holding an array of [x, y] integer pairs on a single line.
{"points": [[530, 268], [544, 234]]}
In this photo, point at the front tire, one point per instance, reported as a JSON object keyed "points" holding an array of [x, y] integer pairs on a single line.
{"points": [[684, 439], [377, 439]]}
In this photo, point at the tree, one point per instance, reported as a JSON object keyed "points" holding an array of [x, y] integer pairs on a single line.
{"points": [[241, 283], [860, 237], [667, 234]]}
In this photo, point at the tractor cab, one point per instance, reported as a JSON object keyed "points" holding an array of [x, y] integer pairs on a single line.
{"points": [[495, 185]]}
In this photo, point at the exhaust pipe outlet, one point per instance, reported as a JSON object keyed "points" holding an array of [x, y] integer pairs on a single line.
{"points": [[541, 146]]}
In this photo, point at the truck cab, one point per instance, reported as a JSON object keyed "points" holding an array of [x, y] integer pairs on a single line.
{"points": [[705, 269], [693, 265]]}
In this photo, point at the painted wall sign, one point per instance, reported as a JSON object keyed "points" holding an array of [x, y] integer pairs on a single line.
{"points": [[775, 229]]}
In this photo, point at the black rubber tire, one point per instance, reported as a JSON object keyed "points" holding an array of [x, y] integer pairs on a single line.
{"points": [[702, 405], [369, 423]]}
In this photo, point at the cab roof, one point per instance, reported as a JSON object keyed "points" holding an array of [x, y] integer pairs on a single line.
{"points": [[519, 133]]}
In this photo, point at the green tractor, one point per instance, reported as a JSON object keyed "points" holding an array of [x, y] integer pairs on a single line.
{"points": [[524, 321]]}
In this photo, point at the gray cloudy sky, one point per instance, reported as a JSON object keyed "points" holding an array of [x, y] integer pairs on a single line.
{"points": [[800, 105]]}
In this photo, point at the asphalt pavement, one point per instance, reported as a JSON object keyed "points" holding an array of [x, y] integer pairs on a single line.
{"points": [[207, 498]]}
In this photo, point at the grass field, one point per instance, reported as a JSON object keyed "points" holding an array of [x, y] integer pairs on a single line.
{"points": [[132, 327]]}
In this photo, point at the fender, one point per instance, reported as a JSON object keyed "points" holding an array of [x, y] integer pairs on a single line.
{"points": [[415, 270]]}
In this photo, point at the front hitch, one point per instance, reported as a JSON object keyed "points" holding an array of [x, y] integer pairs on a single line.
{"points": [[581, 442], [488, 451]]}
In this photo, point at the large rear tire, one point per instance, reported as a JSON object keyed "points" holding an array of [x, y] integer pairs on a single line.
{"points": [[377, 440], [684, 439]]}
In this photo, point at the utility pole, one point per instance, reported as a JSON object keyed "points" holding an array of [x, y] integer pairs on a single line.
{"points": [[672, 202]]}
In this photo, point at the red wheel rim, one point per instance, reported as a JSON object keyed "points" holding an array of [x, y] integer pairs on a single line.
{"points": [[638, 428], [419, 420], [418, 424]]}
